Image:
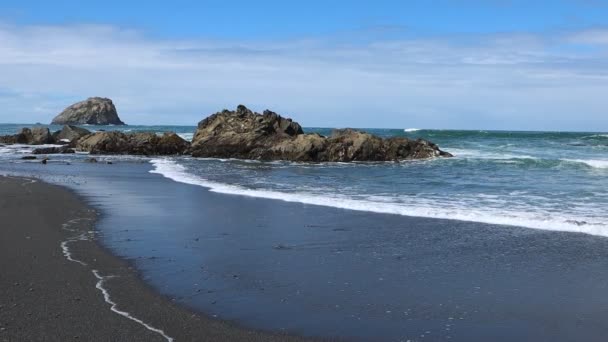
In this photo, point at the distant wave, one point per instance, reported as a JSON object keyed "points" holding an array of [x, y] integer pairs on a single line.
{"points": [[421, 208], [598, 164], [596, 136], [409, 130]]}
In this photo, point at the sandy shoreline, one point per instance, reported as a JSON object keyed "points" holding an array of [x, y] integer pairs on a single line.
{"points": [[58, 284]]}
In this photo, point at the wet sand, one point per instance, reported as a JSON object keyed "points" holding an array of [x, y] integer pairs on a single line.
{"points": [[58, 284]]}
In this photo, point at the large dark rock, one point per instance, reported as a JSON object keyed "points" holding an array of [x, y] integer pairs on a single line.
{"points": [[92, 111], [241, 134], [69, 134], [268, 136], [134, 143], [33, 136]]}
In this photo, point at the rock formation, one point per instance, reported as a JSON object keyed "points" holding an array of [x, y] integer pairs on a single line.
{"points": [[268, 136], [92, 111], [69, 134], [134, 143], [33, 136], [227, 134]]}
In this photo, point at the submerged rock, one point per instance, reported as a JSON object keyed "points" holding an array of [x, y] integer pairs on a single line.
{"points": [[134, 143], [53, 150], [92, 111], [268, 136]]}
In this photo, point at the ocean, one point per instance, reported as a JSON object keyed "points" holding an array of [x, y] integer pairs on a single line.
{"points": [[542, 180], [504, 242]]}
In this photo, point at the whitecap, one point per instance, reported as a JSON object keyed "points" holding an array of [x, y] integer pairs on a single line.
{"points": [[417, 207], [594, 163]]}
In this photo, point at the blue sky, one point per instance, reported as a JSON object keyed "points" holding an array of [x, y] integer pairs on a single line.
{"points": [[435, 64]]}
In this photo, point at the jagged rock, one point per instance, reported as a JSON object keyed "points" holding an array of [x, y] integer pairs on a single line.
{"points": [[92, 111], [134, 143], [268, 136], [54, 150], [69, 134], [29, 158], [241, 134]]}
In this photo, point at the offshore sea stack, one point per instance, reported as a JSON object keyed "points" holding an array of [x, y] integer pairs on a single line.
{"points": [[92, 111], [268, 136]]}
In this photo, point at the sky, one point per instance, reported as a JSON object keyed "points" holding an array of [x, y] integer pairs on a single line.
{"points": [[446, 64]]}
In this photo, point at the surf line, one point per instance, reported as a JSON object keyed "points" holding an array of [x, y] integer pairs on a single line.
{"points": [[101, 279]]}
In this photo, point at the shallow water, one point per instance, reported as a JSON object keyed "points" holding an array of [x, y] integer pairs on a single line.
{"points": [[544, 180]]}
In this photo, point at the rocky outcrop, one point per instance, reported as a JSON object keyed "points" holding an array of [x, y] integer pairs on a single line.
{"points": [[92, 111], [134, 143], [268, 136], [33, 136], [69, 134], [242, 134]]}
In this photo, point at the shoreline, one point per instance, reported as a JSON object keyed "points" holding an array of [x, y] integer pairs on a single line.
{"points": [[74, 288], [320, 271]]}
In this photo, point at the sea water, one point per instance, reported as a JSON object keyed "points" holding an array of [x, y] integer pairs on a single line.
{"points": [[544, 180]]}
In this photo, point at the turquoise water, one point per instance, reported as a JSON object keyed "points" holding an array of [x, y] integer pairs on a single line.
{"points": [[544, 180]]}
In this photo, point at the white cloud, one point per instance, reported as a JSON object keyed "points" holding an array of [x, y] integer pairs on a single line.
{"points": [[475, 81], [591, 37]]}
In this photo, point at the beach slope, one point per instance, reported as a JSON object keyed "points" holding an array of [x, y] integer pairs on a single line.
{"points": [[57, 284]]}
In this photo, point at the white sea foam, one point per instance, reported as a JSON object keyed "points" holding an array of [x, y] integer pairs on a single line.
{"points": [[101, 279], [113, 306], [478, 154], [411, 130], [418, 207], [598, 164], [186, 136], [68, 255]]}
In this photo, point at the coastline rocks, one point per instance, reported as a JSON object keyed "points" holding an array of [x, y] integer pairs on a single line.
{"points": [[268, 136], [92, 111], [69, 134], [241, 134], [54, 150], [34, 136], [135, 143]]}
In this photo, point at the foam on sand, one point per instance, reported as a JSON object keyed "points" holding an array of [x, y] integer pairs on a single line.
{"points": [[101, 279], [416, 207], [113, 306]]}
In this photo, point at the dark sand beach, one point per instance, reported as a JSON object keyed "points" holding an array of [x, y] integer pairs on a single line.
{"points": [[46, 297]]}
